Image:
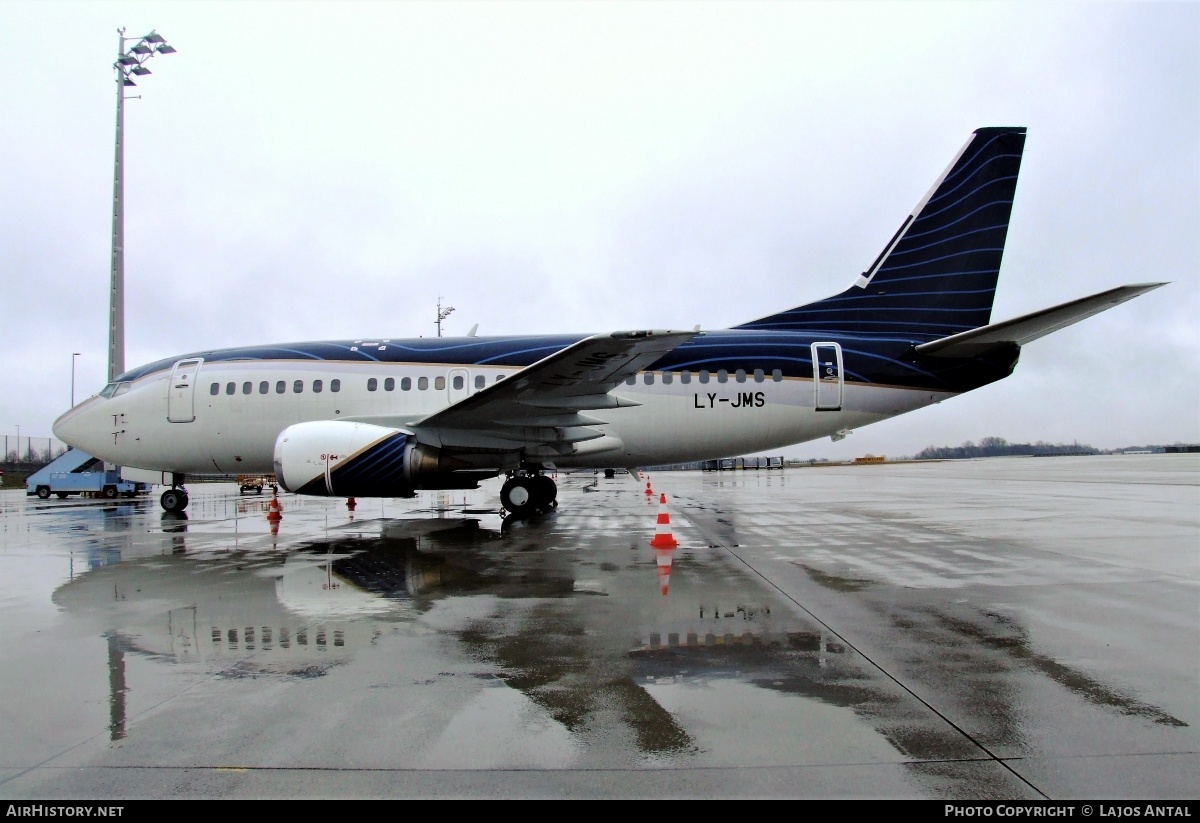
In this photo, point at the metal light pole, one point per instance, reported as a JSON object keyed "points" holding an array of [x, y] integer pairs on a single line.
{"points": [[442, 314], [129, 62], [74, 354]]}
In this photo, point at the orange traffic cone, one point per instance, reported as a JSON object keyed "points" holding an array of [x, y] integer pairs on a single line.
{"points": [[350, 504], [663, 539], [663, 559], [649, 491]]}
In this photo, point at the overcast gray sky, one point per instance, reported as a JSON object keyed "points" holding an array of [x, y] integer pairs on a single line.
{"points": [[328, 170]]}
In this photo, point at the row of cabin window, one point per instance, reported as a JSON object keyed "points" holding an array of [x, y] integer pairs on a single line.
{"points": [[459, 382], [439, 383], [264, 387], [704, 376], [335, 385]]}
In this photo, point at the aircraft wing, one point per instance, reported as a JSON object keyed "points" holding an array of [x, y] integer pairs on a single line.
{"points": [[542, 405], [1021, 330]]}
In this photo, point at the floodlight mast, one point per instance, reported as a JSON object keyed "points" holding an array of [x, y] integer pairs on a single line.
{"points": [[129, 62], [442, 314]]}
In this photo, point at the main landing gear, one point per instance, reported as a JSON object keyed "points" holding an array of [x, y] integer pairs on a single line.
{"points": [[526, 494], [175, 499]]}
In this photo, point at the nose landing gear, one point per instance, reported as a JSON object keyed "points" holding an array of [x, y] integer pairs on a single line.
{"points": [[525, 494], [175, 499]]}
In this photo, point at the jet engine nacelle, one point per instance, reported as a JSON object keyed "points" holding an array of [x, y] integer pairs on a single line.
{"points": [[333, 458]]}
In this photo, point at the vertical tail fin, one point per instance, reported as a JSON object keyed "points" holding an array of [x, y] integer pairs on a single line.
{"points": [[937, 275]]}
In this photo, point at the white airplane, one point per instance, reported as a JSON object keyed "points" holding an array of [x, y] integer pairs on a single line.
{"points": [[385, 417]]}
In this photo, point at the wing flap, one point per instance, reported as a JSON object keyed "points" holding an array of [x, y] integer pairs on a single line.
{"points": [[1029, 327], [541, 404], [583, 402], [572, 419]]}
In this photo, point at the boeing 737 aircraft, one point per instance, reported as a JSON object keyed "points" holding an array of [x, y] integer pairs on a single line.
{"points": [[385, 417]]}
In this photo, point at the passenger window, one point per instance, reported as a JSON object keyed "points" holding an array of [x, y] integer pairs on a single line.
{"points": [[422, 383], [776, 375], [668, 377], [298, 386], [264, 387], [648, 378], [703, 375], [631, 380], [247, 387], [439, 383], [722, 376], [458, 381], [215, 388], [230, 388], [740, 375], [389, 384], [406, 384], [480, 381], [372, 384], [758, 375], [685, 377], [317, 386], [499, 377], [281, 387], [335, 385]]}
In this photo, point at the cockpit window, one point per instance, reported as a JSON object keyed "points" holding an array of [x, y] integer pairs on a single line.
{"points": [[115, 389]]}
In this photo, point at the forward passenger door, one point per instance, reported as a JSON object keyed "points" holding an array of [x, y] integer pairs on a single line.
{"points": [[181, 393]]}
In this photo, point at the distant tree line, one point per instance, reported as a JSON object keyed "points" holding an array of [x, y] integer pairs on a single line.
{"points": [[999, 447], [28, 454]]}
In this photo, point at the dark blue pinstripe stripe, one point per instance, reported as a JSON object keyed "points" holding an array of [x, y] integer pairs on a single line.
{"points": [[965, 180], [926, 262]]}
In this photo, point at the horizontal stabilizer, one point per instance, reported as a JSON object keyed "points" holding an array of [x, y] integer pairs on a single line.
{"points": [[1021, 330]]}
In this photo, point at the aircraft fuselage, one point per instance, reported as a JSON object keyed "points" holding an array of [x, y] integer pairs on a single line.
{"points": [[719, 395]]}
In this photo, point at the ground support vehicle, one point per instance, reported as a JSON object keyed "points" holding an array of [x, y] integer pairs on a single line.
{"points": [[75, 472], [256, 483]]}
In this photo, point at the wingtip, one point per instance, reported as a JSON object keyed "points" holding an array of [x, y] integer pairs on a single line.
{"points": [[1145, 287]]}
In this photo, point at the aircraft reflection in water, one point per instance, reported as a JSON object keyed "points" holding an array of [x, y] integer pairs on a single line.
{"points": [[253, 614], [281, 603], [560, 641]]}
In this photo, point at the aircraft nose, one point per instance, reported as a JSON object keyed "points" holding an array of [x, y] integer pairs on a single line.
{"points": [[74, 427]]}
